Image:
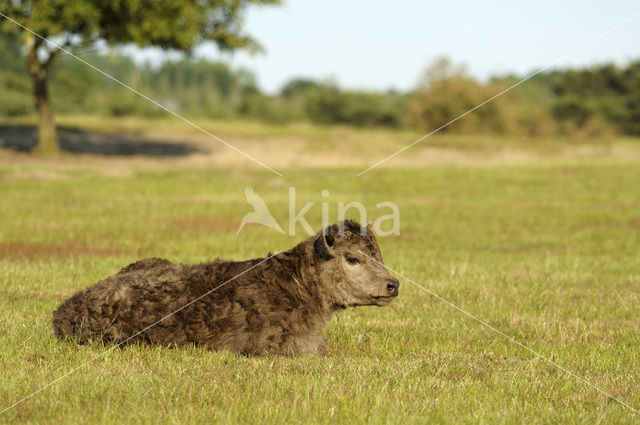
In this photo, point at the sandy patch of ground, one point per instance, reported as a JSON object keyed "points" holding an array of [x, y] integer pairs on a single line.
{"points": [[31, 250], [120, 154]]}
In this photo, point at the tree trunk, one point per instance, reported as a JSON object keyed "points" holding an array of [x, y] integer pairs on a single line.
{"points": [[47, 134]]}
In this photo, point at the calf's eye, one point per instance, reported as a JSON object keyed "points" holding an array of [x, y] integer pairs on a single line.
{"points": [[353, 261]]}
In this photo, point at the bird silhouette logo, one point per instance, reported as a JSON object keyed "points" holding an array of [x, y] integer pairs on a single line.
{"points": [[260, 213]]}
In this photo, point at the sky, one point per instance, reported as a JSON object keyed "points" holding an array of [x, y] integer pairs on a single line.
{"points": [[384, 45]]}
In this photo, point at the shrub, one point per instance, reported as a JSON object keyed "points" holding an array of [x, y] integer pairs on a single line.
{"points": [[15, 103], [445, 94], [15, 95]]}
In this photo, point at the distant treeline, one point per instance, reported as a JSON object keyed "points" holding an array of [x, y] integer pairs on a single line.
{"points": [[585, 102]]}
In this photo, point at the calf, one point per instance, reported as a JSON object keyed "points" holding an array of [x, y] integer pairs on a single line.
{"points": [[280, 304]]}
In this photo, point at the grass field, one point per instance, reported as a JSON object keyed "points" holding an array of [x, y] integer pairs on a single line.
{"points": [[548, 252]]}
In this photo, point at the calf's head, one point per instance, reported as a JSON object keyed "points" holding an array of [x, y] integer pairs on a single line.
{"points": [[350, 266]]}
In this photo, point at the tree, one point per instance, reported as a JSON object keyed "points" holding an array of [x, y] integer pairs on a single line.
{"points": [[179, 25], [297, 86]]}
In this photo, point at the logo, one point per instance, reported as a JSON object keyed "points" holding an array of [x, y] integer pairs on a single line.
{"points": [[384, 225], [260, 213]]}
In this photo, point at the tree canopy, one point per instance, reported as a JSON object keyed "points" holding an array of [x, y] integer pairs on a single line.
{"points": [[179, 24]]}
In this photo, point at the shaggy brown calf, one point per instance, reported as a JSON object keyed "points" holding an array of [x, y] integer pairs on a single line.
{"points": [[277, 305]]}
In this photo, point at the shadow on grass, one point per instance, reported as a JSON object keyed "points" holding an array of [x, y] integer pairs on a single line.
{"points": [[24, 138]]}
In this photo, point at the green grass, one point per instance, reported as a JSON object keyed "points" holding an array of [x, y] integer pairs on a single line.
{"points": [[546, 253]]}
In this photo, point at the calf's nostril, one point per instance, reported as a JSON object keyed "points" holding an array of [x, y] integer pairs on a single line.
{"points": [[393, 284]]}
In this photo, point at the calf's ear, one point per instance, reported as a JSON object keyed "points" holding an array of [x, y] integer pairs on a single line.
{"points": [[325, 241]]}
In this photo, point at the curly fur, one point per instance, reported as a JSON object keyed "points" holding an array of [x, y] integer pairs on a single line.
{"points": [[280, 306]]}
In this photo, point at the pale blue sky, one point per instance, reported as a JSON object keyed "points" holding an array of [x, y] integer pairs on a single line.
{"points": [[382, 44]]}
